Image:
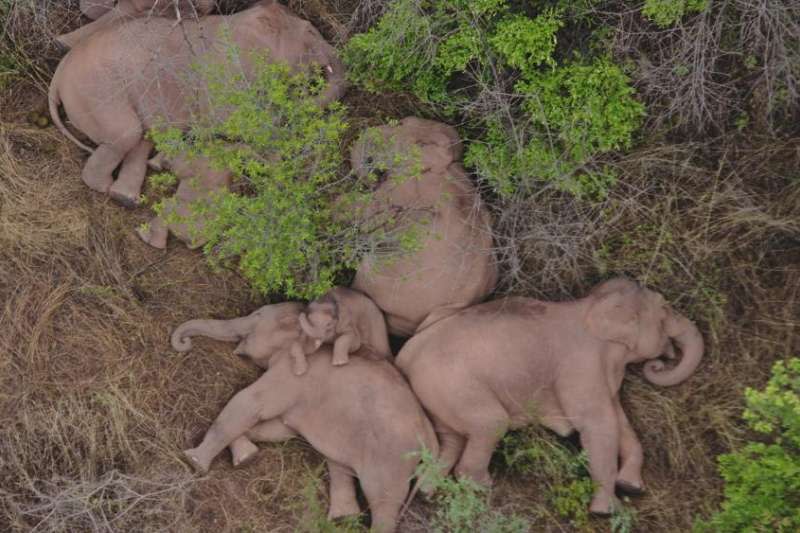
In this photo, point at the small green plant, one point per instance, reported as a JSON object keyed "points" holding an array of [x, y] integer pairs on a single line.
{"points": [[564, 472], [293, 223], [462, 505], [314, 517], [762, 480], [665, 13], [463, 57]]}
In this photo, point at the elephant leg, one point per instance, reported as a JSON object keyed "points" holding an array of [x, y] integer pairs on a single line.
{"points": [[482, 438], [243, 449], [343, 500], [386, 491], [599, 431], [265, 399], [155, 233], [126, 132], [128, 187], [451, 445], [629, 477]]}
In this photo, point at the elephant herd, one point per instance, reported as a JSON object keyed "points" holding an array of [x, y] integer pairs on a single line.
{"points": [[471, 369]]}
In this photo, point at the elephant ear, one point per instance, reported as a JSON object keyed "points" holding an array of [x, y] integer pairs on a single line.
{"points": [[615, 317]]}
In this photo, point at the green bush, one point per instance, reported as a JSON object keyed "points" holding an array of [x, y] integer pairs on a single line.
{"points": [[462, 505], [291, 222], [665, 13], [762, 480], [463, 57]]}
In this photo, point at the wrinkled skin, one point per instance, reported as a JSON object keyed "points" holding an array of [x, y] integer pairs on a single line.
{"points": [[347, 319], [106, 13], [510, 362], [121, 81], [454, 266], [362, 416]]}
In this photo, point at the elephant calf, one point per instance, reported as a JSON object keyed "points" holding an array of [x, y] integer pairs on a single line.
{"points": [[454, 265], [342, 317], [362, 417], [514, 361]]}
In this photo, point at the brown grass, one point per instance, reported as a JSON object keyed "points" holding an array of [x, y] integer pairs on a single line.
{"points": [[95, 406]]}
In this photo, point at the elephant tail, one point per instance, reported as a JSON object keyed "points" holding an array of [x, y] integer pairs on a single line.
{"points": [[54, 100]]}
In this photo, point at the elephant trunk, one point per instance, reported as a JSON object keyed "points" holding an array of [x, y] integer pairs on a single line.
{"points": [[309, 329], [221, 330], [688, 339]]}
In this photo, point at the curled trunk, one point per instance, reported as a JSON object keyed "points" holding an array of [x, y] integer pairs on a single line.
{"points": [[309, 329], [221, 330], [687, 338]]}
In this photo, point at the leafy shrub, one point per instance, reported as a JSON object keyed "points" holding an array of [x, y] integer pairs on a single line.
{"points": [[665, 13], [292, 222], [464, 57], [762, 480], [462, 505]]}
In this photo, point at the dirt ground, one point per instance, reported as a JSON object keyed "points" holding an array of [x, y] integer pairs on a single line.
{"points": [[95, 406]]}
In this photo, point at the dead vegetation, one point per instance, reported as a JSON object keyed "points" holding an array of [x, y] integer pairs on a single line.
{"points": [[95, 406]]}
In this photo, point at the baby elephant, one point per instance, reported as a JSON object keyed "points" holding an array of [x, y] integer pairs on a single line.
{"points": [[362, 417], [344, 317], [515, 361]]}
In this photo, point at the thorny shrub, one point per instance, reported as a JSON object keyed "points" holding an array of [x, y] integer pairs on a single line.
{"points": [[541, 115]]}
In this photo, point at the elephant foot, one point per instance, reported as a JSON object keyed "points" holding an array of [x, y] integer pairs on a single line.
{"points": [[300, 366], [158, 162], [629, 487], [99, 184], [244, 453], [341, 510], [604, 505], [125, 198], [153, 233], [194, 459]]}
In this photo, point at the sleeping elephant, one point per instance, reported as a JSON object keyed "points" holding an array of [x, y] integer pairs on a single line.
{"points": [[454, 265], [121, 81], [345, 318], [105, 13], [362, 417], [514, 361]]}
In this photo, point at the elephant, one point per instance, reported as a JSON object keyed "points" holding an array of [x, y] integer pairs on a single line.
{"points": [[122, 81], [343, 317], [513, 361], [362, 417], [106, 13], [454, 266], [198, 180]]}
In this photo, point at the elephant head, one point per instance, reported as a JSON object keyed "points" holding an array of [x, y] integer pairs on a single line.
{"points": [[262, 334], [625, 313], [321, 318]]}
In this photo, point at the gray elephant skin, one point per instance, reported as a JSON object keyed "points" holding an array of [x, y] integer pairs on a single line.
{"points": [[515, 361], [123, 80], [362, 416], [454, 265]]}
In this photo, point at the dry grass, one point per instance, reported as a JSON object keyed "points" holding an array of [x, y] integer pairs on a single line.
{"points": [[95, 406]]}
